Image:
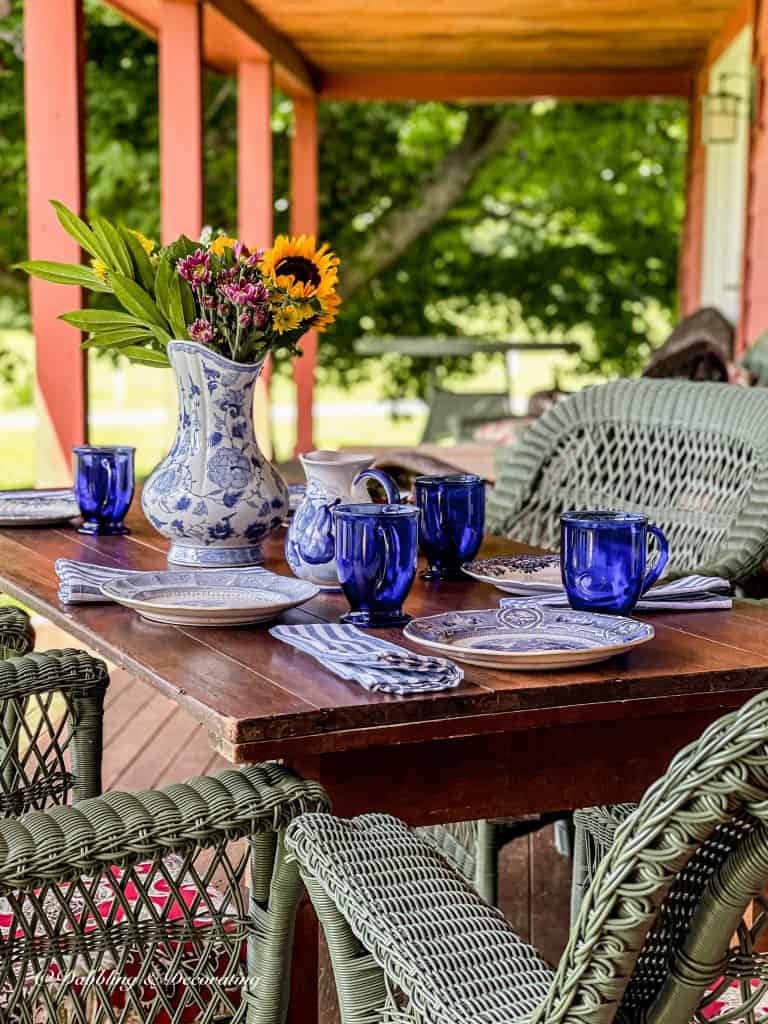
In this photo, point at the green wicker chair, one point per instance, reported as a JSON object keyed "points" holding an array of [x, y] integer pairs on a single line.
{"points": [[168, 905], [660, 937], [755, 361], [16, 633]]}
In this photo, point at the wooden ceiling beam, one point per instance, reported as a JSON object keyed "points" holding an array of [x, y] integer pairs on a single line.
{"points": [[302, 77], [511, 85]]}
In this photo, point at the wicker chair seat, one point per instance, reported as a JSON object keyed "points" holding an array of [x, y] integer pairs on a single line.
{"points": [[420, 920], [107, 895]]}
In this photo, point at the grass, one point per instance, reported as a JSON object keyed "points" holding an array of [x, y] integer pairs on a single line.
{"points": [[137, 405]]}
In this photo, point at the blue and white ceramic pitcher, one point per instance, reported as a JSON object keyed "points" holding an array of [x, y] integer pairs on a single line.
{"points": [[333, 478]]}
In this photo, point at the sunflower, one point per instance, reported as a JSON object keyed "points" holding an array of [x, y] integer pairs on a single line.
{"points": [[285, 318], [297, 265], [329, 308], [221, 244]]}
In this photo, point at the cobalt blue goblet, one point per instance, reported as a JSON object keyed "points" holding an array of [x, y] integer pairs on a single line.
{"points": [[376, 552], [103, 487], [451, 522], [604, 556]]}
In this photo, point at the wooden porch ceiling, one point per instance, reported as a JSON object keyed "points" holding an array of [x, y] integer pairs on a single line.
{"points": [[362, 47]]}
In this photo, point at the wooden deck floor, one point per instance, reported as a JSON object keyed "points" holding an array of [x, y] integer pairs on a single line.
{"points": [[150, 741]]}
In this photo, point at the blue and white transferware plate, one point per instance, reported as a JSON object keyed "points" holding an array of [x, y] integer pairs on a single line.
{"points": [[209, 597], [519, 574], [37, 508], [528, 638]]}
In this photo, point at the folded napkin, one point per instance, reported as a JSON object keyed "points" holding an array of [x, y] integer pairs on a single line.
{"points": [[689, 593], [370, 661], [80, 582]]}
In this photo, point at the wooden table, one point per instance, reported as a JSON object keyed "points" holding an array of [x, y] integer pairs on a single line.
{"points": [[501, 743]]}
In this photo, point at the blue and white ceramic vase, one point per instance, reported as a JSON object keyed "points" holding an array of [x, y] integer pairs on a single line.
{"points": [[333, 478], [214, 496]]}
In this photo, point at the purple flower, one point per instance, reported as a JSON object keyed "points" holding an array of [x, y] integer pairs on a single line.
{"points": [[245, 294], [245, 318], [244, 255], [260, 316], [207, 302], [196, 268], [202, 331]]}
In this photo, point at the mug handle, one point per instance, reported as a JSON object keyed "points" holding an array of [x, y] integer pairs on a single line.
{"points": [[391, 547], [386, 481], [661, 562], [105, 464]]}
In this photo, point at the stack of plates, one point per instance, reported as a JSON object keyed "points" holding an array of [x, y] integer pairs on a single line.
{"points": [[209, 597], [37, 508], [528, 638]]}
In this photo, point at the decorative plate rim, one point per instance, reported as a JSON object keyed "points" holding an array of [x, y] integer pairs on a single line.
{"points": [[303, 591]]}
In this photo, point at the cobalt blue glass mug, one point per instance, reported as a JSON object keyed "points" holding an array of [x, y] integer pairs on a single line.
{"points": [[604, 556], [376, 552], [451, 522], [104, 487]]}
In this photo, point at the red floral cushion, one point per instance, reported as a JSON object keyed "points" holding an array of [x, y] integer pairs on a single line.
{"points": [[168, 960], [731, 998]]}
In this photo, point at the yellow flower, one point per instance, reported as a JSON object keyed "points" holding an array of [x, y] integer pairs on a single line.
{"points": [[147, 244], [297, 265], [329, 307], [99, 268], [286, 318], [221, 244]]}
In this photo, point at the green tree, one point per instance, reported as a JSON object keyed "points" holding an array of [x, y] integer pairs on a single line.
{"points": [[484, 219]]}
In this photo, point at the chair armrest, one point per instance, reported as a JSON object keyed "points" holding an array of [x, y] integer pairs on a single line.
{"points": [[16, 634], [73, 671], [124, 828], [455, 957]]}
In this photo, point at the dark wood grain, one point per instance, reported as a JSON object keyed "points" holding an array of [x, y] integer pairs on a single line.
{"points": [[258, 698]]}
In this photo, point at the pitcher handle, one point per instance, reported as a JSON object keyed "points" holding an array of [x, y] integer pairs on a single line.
{"points": [[661, 562], [386, 481]]}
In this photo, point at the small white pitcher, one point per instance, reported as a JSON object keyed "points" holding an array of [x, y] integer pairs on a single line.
{"points": [[333, 478]]}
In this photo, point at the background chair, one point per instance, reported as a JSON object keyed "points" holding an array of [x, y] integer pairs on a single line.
{"points": [[16, 633], [660, 936], [169, 905]]}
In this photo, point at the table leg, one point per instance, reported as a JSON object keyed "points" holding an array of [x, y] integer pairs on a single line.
{"points": [[303, 1007]]}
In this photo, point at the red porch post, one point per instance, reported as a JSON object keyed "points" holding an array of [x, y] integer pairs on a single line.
{"points": [[53, 86], [180, 37], [254, 190], [304, 221]]}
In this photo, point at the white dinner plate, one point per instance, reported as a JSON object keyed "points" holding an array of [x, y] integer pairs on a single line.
{"points": [[37, 508], [519, 574], [208, 597], [528, 638]]}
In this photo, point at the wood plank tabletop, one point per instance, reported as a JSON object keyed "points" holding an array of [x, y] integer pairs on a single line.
{"points": [[259, 698]]}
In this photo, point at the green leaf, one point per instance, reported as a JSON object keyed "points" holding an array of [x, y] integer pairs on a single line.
{"points": [[161, 335], [182, 247], [178, 323], [145, 272], [96, 319], [163, 278], [64, 273], [116, 339], [134, 299], [146, 356], [187, 301], [79, 230], [117, 255]]}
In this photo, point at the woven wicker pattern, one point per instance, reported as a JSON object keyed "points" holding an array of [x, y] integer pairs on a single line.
{"points": [[692, 456], [655, 931], [16, 633], [186, 958], [50, 729]]}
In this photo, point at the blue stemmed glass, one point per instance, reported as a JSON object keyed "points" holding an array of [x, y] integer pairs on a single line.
{"points": [[104, 487], [451, 522], [604, 556], [376, 552]]}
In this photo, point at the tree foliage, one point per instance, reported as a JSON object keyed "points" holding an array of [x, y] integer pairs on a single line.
{"points": [[563, 216]]}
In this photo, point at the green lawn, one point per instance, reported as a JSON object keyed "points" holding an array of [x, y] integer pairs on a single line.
{"points": [[137, 405]]}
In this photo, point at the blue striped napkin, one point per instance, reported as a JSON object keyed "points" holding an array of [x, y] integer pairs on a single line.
{"points": [[687, 594], [80, 582], [375, 664]]}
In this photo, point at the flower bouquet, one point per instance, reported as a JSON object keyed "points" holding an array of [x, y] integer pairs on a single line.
{"points": [[213, 310], [239, 302]]}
